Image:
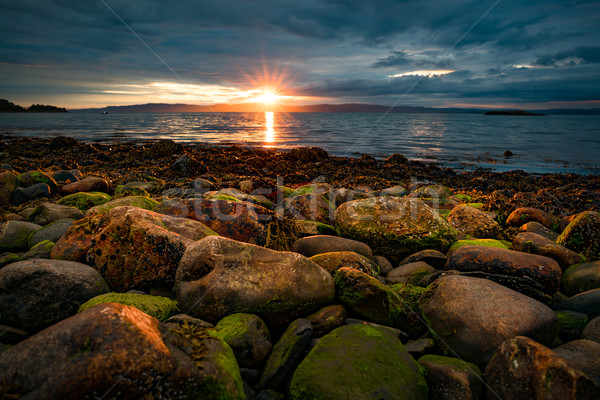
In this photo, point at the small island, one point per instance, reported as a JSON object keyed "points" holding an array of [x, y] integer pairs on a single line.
{"points": [[513, 112], [9, 107]]}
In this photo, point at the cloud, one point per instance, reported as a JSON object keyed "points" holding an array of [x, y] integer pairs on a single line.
{"points": [[577, 56], [403, 58]]}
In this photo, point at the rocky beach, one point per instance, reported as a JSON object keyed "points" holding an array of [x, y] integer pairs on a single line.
{"points": [[157, 270]]}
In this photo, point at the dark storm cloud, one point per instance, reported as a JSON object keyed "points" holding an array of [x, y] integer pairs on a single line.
{"points": [[345, 50], [579, 55], [403, 59]]}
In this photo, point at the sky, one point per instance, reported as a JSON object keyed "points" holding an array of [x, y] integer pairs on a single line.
{"points": [[438, 53]]}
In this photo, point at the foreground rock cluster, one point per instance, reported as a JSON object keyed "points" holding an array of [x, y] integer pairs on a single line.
{"points": [[214, 289]]}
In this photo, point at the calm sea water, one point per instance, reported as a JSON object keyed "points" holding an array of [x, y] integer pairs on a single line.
{"points": [[554, 143]]}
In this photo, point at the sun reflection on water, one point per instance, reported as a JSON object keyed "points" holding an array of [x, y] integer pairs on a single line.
{"points": [[269, 128]]}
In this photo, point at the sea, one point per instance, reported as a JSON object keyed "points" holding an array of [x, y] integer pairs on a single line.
{"points": [[539, 144]]}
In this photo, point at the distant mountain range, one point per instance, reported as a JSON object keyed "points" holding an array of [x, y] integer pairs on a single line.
{"points": [[322, 108]]}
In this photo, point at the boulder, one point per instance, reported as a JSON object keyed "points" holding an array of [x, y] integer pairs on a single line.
{"points": [[582, 277], [377, 367], [474, 222], [41, 250], [500, 244], [22, 195], [572, 324], [586, 302], [592, 330], [432, 192], [312, 228], [536, 227], [385, 266], [51, 232], [319, 244], [63, 176], [89, 184], [89, 354], [409, 273], [539, 270], [524, 369], [84, 201], [238, 220], [35, 294], [367, 297], [286, 354], [394, 227], [14, 235], [32, 178], [8, 184], [397, 191], [537, 244], [523, 215], [131, 201], [158, 307], [309, 206], [248, 337], [77, 240], [333, 261], [472, 316], [432, 257], [136, 248], [583, 355], [8, 258], [47, 213], [451, 378], [327, 319], [219, 276], [582, 235]]}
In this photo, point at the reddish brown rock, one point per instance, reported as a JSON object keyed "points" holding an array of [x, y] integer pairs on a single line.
{"points": [[136, 248], [113, 351], [583, 235], [474, 316], [319, 244], [409, 273], [333, 261], [238, 220], [524, 215], [541, 270], [536, 227], [219, 276], [474, 222], [89, 184], [76, 242], [536, 244], [309, 206], [327, 319], [525, 369]]}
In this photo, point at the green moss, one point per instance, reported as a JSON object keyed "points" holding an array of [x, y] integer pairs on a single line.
{"points": [[444, 213], [8, 258], [226, 360], [568, 320], [463, 197], [85, 200], [475, 205], [130, 191], [304, 189], [45, 244], [133, 201], [454, 363], [410, 294], [156, 306], [233, 326], [357, 362], [286, 191], [479, 242], [222, 197]]}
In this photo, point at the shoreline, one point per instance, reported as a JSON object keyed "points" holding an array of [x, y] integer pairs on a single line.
{"points": [[176, 165]]}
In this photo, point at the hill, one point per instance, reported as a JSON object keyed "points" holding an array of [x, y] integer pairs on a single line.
{"points": [[7, 106]]}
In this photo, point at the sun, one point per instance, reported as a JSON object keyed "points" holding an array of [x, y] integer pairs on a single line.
{"points": [[267, 97]]}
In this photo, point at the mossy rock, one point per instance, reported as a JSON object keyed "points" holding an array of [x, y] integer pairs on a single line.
{"points": [[358, 362], [475, 205], [409, 294], [159, 307], [479, 242], [311, 228], [582, 235], [8, 258], [40, 250], [85, 200], [286, 191], [33, 177], [122, 191], [572, 324], [132, 201], [222, 197], [454, 363], [579, 278], [369, 298]]}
